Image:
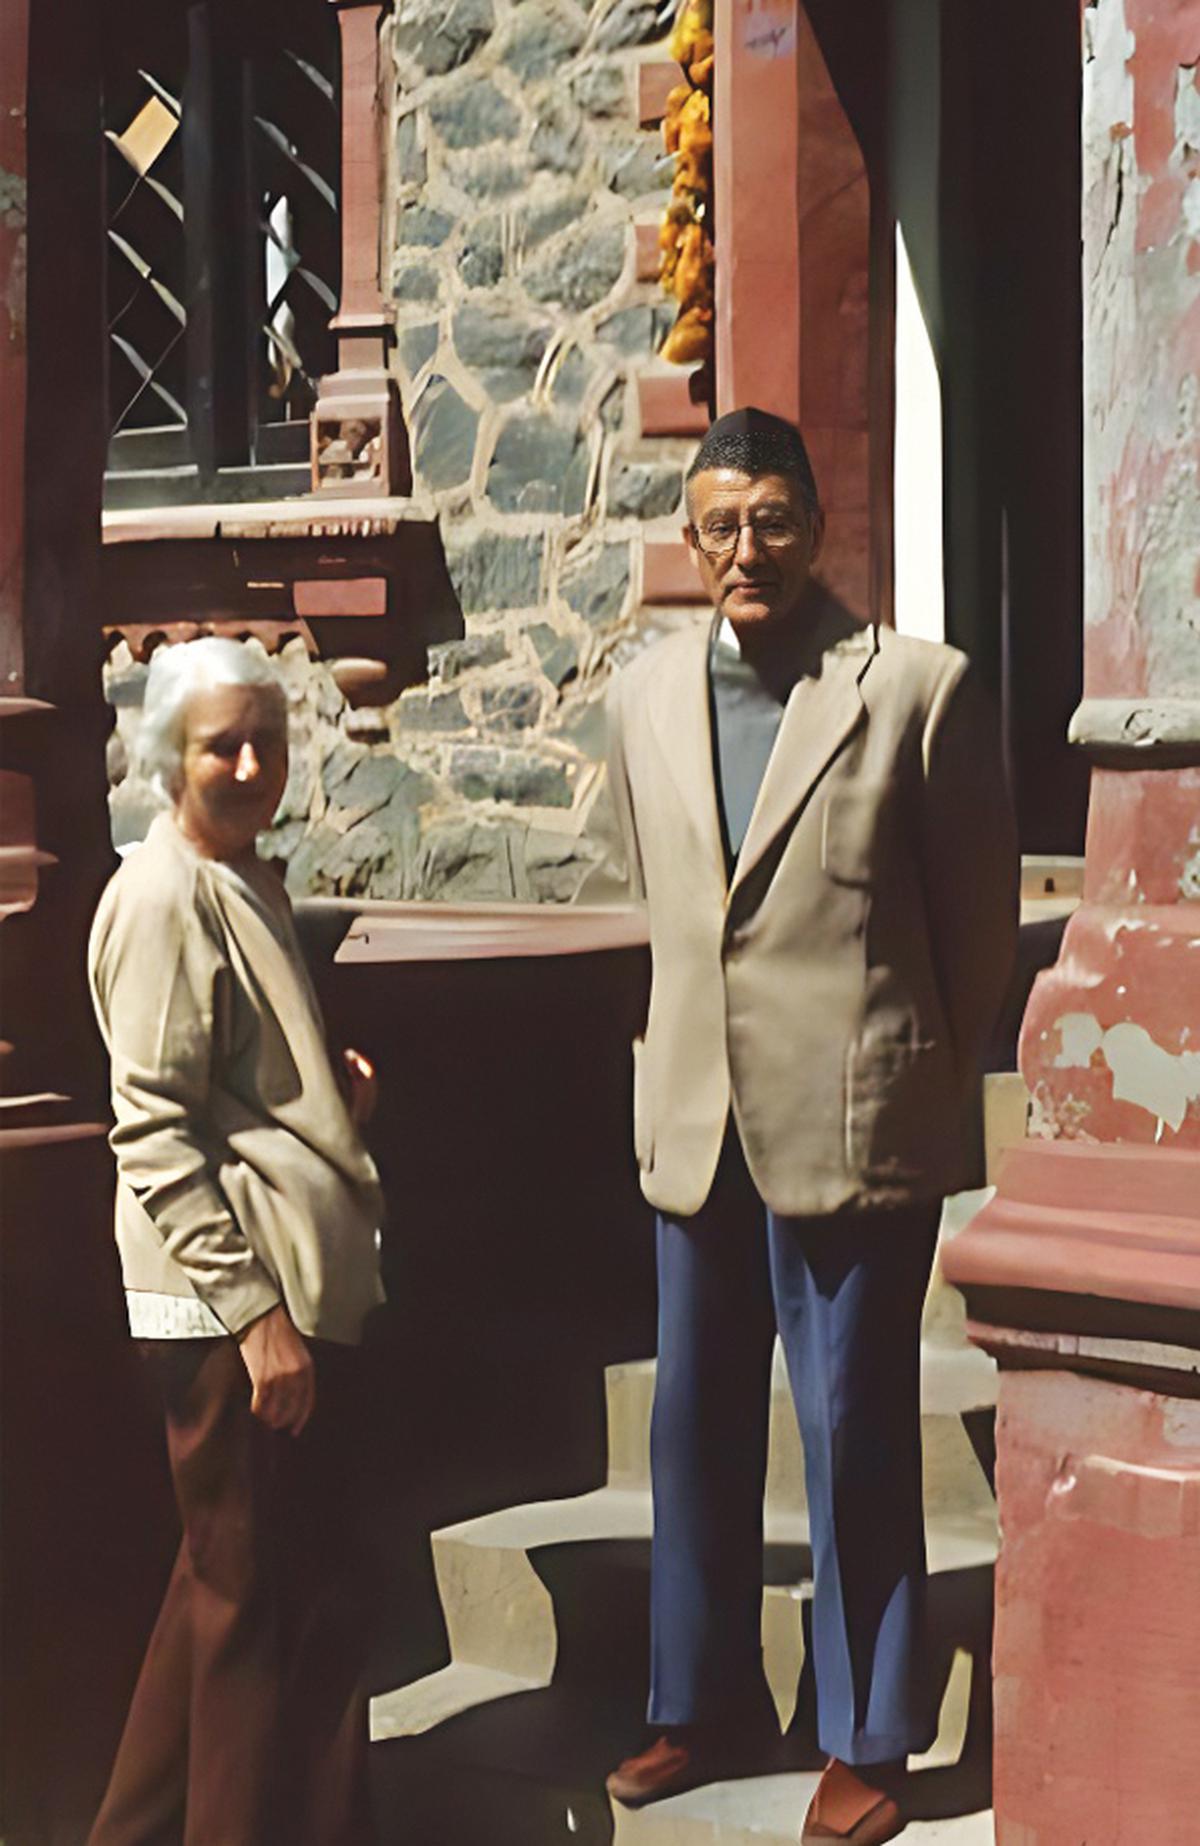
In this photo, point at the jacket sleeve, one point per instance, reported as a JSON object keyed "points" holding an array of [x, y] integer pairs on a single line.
{"points": [[970, 861], [157, 977], [616, 878], [618, 785]]}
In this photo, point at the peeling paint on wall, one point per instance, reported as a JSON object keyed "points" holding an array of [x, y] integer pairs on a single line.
{"points": [[14, 198], [1189, 878], [1187, 136], [1081, 1038], [1162, 1082], [1058, 1118], [1142, 347]]}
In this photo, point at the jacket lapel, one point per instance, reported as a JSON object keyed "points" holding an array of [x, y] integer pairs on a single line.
{"points": [[678, 710], [825, 706]]}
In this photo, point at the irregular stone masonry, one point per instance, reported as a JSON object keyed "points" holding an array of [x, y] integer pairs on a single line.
{"points": [[515, 170]]}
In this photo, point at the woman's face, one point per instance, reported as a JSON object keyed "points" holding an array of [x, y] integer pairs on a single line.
{"points": [[235, 764]]}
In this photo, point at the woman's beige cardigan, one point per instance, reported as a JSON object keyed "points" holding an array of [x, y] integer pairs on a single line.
{"points": [[241, 1178]]}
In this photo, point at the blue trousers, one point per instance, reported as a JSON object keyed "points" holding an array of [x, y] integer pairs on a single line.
{"points": [[845, 1294]]}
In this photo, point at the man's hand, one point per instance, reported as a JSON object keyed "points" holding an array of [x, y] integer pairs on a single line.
{"points": [[364, 1090], [281, 1372]]}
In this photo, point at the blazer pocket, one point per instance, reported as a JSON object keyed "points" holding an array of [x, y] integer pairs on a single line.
{"points": [[643, 1138], [850, 831]]}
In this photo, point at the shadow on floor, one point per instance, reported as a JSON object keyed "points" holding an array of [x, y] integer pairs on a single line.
{"points": [[529, 1770]]}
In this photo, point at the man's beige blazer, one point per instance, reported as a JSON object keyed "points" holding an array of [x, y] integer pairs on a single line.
{"points": [[837, 991]]}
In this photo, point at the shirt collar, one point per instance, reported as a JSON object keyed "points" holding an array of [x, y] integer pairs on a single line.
{"points": [[724, 639]]}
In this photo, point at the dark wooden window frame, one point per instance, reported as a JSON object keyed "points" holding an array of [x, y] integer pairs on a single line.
{"points": [[230, 447]]}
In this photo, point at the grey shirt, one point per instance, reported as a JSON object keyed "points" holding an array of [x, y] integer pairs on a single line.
{"points": [[746, 716]]}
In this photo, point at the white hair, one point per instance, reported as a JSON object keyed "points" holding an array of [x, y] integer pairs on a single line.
{"points": [[177, 673]]}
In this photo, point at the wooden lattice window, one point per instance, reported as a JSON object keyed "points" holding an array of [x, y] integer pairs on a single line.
{"points": [[222, 129]]}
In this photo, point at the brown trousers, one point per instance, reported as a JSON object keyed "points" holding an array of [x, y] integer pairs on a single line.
{"points": [[248, 1725]]}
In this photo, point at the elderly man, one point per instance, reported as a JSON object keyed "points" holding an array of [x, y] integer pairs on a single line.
{"points": [[816, 812], [247, 1219]]}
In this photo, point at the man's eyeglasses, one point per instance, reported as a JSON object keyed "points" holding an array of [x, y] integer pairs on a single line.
{"points": [[718, 538]]}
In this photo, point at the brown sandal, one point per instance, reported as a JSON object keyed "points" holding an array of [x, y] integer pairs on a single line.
{"points": [[841, 1788]]}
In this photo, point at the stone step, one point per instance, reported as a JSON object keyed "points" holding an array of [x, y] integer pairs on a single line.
{"points": [[958, 1396], [957, 1383], [559, 1590]]}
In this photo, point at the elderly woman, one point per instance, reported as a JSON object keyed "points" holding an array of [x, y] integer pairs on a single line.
{"points": [[247, 1220]]}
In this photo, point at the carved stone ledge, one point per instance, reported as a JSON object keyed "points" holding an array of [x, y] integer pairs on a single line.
{"points": [[1142, 733]]}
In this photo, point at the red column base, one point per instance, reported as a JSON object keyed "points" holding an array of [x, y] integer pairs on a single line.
{"points": [[1097, 1614], [1083, 1277]]}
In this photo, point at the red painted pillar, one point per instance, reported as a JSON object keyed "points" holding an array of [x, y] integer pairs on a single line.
{"points": [[794, 330], [756, 186], [1083, 1275]]}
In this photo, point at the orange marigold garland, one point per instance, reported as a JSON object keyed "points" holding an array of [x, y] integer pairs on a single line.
{"points": [[686, 252]]}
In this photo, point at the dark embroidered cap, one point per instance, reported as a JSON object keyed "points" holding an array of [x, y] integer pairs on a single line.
{"points": [[755, 442]]}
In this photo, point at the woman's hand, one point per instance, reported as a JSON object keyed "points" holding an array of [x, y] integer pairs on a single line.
{"points": [[281, 1372], [364, 1090]]}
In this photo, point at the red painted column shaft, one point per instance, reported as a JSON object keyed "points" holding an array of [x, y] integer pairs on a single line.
{"points": [[359, 444], [1107, 1041], [1084, 1272], [361, 178], [793, 252], [755, 177]]}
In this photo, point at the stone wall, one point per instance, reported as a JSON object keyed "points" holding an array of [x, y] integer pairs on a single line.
{"points": [[516, 168]]}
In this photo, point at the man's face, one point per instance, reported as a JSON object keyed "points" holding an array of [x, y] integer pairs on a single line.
{"points": [[235, 764], [754, 542]]}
